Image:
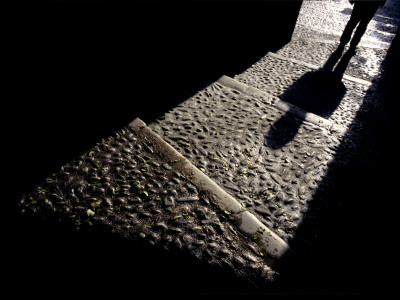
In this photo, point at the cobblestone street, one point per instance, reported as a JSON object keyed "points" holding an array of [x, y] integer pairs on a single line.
{"points": [[278, 179]]}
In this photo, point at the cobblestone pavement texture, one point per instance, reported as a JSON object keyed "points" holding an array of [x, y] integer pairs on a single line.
{"points": [[364, 64], [271, 161], [224, 132], [327, 19], [122, 185], [293, 82]]}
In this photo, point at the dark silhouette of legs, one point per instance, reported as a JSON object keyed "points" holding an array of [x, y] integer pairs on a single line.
{"points": [[361, 28], [333, 59], [362, 14], [342, 65], [355, 18]]}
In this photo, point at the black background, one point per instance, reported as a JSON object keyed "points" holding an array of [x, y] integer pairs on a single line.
{"points": [[74, 72]]}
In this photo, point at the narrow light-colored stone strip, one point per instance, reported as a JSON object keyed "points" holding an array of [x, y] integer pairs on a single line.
{"points": [[309, 117], [302, 114], [247, 222], [248, 90], [283, 105], [311, 66], [225, 201], [250, 225]]}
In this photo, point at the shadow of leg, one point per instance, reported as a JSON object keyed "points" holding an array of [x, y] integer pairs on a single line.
{"points": [[342, 65], [333, 59]]}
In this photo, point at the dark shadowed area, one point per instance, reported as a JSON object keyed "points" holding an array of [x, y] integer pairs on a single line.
{"points": [[353, 238], [74, 72]]}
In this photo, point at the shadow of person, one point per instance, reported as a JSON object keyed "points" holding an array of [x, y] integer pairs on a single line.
{"points": [[283, 131], [333, 59], [342, 65], [332, 237], [318, 92], [361, 14]]}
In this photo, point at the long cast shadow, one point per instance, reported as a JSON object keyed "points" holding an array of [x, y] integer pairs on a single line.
{"points": [[349, 231], [318, 92]]}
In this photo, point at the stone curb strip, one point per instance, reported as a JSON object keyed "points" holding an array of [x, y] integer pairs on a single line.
{"points": [[247, 222], [282, 105]]}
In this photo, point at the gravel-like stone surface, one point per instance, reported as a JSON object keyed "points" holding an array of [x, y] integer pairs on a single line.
{"points": [[365, 64], [327, 19], [123, 186], [315, 38], [267, 159], [272, 162], [306, 88]]}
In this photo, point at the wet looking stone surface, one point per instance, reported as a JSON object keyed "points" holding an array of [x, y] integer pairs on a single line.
{"points": [[290, 86], [323, 191], [226, 136], [123, 187]]}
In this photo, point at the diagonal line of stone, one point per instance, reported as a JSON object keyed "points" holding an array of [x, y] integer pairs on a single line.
{"points": [[246, 221], [138, 187], [236, 140], [282, 105]]}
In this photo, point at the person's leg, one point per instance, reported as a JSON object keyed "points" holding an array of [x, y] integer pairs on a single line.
{"points": [[362, 27], [355, 17], [369, 13]]}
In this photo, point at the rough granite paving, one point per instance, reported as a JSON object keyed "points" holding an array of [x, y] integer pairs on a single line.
{"points": [[125, 186], [365, 64], [294, 82], [269, 160], [326, 20], [273, 161]]}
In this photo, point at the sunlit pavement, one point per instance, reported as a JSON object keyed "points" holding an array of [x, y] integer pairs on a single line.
{"points": [[297, 147], [301, 176]]}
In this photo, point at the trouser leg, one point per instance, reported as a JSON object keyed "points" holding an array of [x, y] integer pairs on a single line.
{"points": [[362, 27], [351, 24]]}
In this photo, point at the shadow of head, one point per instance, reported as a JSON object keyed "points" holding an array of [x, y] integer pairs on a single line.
{"points": [[282, 131], [316, 92]]}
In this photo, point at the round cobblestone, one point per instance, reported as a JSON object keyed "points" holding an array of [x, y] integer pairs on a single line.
{"points": [[144, 199]]}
